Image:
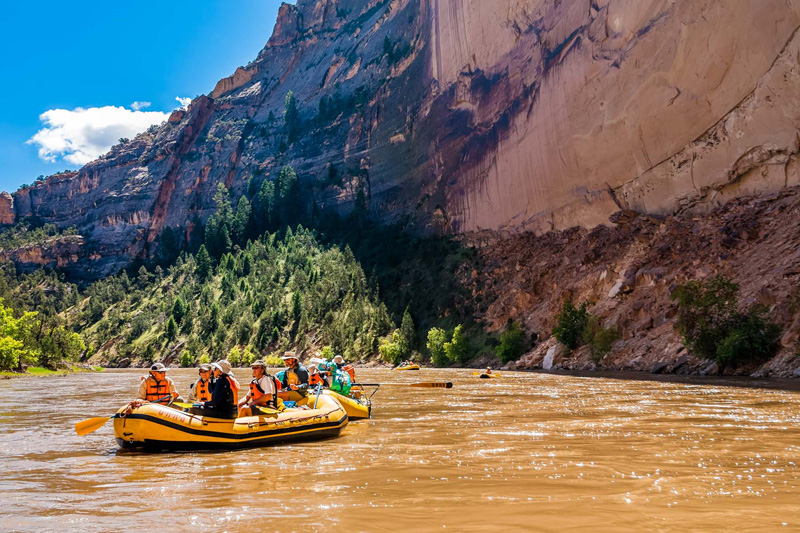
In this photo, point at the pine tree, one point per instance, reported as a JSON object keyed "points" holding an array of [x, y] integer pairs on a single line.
{"points": [[407, 339], [172, 329], [204, 263], [178, 310], [242, 220], [291, 118]]}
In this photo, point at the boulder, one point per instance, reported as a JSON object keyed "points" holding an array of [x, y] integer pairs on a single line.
{"points": [[554, 356]]}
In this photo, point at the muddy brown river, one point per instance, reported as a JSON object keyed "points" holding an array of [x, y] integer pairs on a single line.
{"points": [[526, 452]]}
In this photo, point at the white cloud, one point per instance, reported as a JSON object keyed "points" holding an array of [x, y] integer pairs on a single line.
{"points": [[83, 134], [183, 101], [137, 106]]}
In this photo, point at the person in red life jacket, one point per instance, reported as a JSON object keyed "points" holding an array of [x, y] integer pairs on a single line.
{"points": [[263, 391], [200, 390], [157, 385], [224, 393], [315, 377]]}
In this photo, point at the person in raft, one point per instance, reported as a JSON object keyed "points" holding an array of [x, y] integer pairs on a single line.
{"points": [[315, 377], [488, 370], [296, 375], [341, 365], [157, 386], [224, 393], [263, 391], [200, 391]]}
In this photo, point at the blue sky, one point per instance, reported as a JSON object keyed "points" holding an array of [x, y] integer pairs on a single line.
{"points": [[91, 54]]}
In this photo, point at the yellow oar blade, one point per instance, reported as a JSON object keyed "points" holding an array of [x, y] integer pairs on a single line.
{"points": [[93, 424]]}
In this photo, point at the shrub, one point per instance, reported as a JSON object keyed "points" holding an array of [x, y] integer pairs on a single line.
{"points": [[187, 359], [204, 359], [572, 322], [752, 337], [327, 353], [712, 327], [512, 343], [391, 351], [436, 340], [599, 338]]}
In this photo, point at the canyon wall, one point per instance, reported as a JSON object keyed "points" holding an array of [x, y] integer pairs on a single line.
{"points": [[463, 115]]}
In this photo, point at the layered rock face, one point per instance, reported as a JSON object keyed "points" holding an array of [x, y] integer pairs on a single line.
{"points": [[463, 115]]}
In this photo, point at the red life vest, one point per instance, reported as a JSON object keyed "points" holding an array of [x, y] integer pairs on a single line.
{"points": [[314, 379], [352, 371], [157, 390], [201, 391]]}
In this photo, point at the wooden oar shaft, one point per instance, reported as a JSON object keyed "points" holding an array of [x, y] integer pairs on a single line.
{"points": [[427, 384]]}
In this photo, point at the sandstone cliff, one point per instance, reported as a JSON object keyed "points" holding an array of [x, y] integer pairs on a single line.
{"points": [[465, 115]]}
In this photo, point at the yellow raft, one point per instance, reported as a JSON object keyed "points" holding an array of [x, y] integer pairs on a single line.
{"points": [[357, 409], [408, 367], [484, 375], [156, 427]]}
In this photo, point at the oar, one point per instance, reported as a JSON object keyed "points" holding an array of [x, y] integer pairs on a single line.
{"points": [[319, 390], [426, 384], [93, 424]]}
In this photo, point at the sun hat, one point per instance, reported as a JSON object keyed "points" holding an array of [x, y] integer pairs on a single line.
{"points": [[312, 366], [289, 355], [338, 360], [158, 367], [260, 363], [223, 366], [205, 367]]}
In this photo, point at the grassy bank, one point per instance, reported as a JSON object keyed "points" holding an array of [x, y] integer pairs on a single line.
{"points": [[41, 371]]}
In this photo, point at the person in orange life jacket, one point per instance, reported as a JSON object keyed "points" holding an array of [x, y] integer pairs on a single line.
{"points": [[263, 391], [224, 393], [296, 375], [315, 377], [200, 391], [488, 370], [157, 385]]}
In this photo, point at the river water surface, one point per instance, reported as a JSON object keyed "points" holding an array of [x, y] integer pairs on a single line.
{"points": [[533, 452]]}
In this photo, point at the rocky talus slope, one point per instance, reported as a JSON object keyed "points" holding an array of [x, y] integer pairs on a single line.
{"points": [[464, 115], [627, 273]]}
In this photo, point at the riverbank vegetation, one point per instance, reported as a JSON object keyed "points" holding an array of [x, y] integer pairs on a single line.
{"points": [[713, 327]]}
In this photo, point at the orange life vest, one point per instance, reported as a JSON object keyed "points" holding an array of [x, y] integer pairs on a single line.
{"points": [[257, 392], [157, 390], [352, 371], [234, 388], [314, 379], [201, 391]]}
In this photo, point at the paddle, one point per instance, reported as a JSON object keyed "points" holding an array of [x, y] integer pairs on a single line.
{"points": [[427, 384], [93, 424]]}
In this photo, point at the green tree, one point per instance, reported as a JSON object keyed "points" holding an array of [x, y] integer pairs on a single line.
{"points": [[408, 336], [204, 263], [291, 117], [437, 338], [171, 329], [457, 349], [178, 310], [571, 324], [512, 343], [242, 221]]}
